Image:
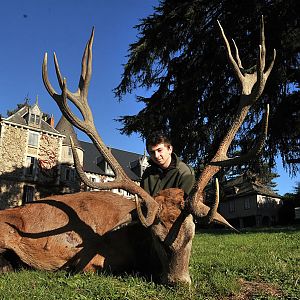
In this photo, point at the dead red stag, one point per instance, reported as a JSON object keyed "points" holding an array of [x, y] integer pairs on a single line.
{"points": [[100, 230]]}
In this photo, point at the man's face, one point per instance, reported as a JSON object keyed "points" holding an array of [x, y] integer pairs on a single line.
{"points": [[161, 154]]}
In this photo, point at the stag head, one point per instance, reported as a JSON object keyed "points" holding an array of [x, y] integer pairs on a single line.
{"points": [[252, 86]]}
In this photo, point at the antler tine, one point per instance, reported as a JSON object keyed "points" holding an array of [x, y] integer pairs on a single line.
{"points": [[86, 66], [234, 64], [254, 152], [45, 77], [61, 100], [263, 44], [214, 208], [66, 94], [79, 99], [252, 86], [57, 70], [237, 55]]}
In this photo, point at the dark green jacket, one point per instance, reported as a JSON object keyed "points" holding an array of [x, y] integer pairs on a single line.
{"points": [[177, 175]]}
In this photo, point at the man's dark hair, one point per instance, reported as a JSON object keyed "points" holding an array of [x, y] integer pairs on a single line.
{"points": [[157, 137]]}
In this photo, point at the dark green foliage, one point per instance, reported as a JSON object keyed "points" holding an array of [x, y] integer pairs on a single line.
{"points": [[19, 106], [263, 174], [290, 202], [180, 57], [297, 190]]}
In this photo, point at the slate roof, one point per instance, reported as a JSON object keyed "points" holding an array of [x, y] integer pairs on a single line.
{"points": [[244, 185], [47, 127], [92, 156], [65, 128], [19, 119]]}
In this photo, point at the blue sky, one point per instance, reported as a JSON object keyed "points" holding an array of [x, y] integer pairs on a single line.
{"points": [[30, 28]]}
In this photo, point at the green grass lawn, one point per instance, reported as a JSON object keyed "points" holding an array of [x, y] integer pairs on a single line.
{"points": [[251, 265]]}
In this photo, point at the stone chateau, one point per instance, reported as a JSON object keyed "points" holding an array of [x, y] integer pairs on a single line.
{"points": [[36, 158]]}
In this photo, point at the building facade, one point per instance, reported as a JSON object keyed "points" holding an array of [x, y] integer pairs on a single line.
{"points": [[248, 203], [36, 158]]}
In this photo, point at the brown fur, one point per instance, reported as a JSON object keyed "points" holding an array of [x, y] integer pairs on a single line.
{"points": [[171, 203], [49, 233], [74, 232]]}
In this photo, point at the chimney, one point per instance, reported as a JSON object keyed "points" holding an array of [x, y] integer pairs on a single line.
{"points": [[50, 121]]}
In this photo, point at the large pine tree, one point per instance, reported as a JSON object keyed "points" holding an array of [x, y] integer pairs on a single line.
{"points": [[180, 57]]}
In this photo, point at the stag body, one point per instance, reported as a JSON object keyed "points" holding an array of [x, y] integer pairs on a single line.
{"points": [[87, 232]]}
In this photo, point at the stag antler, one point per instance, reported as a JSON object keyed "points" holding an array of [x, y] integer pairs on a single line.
{"points": [[79, 99], [252, 86]]}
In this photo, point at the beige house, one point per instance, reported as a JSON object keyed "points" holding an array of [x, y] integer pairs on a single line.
{"points": [[36, 158], [249, 203]]}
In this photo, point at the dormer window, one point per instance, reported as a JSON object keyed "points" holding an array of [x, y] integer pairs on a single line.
{"points": [[104, 165], [108, 170], [32, 119], [35, 119], [70, 152]]}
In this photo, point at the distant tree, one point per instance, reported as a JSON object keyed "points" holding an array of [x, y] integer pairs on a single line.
{"points": [[19, 106], [290, 201], [180, 57], [263, 175], [261, 172], [297, 190], [294, 196], [267, 177]]}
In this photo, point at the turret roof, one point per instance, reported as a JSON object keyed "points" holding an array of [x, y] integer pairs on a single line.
{"points": [[65, 128]]}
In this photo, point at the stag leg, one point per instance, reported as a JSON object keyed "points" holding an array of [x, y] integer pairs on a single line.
{"points": [[95, 264]]}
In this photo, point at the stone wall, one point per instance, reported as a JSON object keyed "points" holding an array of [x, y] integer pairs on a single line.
{"points": [[13, 142], [48, 157], [14, 150]]}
